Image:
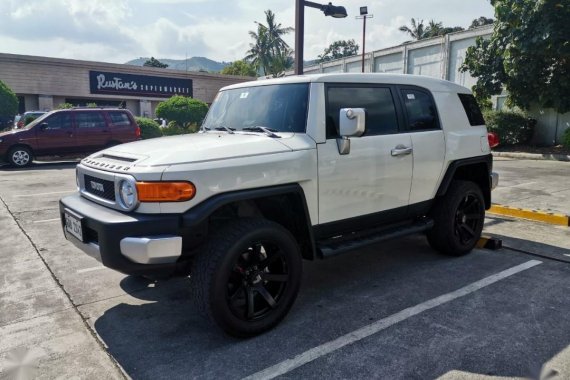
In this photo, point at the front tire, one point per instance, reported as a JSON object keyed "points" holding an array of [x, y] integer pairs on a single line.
{"points": [[20, 156], [458, 219], [247, 277]]}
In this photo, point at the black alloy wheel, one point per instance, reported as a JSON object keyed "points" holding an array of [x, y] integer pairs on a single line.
{"points": [[458, 219], [246, 278]]}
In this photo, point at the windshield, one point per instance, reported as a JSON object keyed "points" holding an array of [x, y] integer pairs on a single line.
{"points": [[279, 108]]}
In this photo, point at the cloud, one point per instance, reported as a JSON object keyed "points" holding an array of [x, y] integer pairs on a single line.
{"points": [[110, 30]]}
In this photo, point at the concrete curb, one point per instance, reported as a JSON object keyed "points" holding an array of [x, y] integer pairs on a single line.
{"points": [[533, 156], [536, 215]]}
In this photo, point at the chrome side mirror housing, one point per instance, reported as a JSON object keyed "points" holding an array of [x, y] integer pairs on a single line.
{"points": [[352, 122]]}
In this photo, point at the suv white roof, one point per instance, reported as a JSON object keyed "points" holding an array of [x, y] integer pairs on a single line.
{"points": [[432, 84]]}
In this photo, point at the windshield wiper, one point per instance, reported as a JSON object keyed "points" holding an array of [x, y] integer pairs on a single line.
{"points": [[259, 128], [220, 128]]}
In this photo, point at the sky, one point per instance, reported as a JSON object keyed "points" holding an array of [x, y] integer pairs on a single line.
{"points": [[120, 30]]}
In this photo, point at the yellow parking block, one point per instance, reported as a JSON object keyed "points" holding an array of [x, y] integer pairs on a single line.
{"points": [[536, 215]]}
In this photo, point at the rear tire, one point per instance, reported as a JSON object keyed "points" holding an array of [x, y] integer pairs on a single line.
{"points": [[20, 156], [247, 276], [458, 219]]}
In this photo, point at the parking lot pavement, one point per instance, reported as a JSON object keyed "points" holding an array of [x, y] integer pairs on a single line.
{"points": [[396, 310], [543, 185]]}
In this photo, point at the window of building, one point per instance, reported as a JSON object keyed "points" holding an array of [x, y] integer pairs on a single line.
{"points": [[90, 120], [472, 109], [420, 110], [381, 116]]}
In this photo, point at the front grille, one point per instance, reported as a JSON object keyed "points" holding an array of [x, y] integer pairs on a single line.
{"points": [[101, 188]]}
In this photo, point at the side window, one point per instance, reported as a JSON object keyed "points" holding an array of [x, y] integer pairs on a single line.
{"points": [[472, 109], [59, 121], [89, 120], [120, 119], [381, 116], [420, 110]]}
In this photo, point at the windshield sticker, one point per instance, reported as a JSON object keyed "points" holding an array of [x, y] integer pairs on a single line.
{"points": [[411, 96], [244, 95]]}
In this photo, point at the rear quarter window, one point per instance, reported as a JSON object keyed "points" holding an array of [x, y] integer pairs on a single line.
{"points": [[472, 109], [119, 119]]}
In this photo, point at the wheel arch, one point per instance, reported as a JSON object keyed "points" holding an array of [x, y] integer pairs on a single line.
{"points": [[475, 169], [283, 204]]}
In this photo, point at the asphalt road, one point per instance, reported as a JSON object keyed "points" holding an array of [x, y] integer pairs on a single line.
{"points": [[396, 310]]}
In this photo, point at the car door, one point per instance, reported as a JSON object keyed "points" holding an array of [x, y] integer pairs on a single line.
{"points": [[92, 130], [373, 180], [428, 142], [55, 134]]}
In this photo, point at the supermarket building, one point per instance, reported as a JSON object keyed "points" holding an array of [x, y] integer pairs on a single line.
{"points": [[43, 83]]}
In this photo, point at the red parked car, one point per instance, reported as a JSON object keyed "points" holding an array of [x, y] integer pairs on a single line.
{"points": [[63, 132]]}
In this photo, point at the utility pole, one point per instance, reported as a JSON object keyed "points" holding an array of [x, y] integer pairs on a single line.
{"points": [[364, 15]]}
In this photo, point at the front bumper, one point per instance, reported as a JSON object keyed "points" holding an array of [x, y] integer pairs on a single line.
{"points": [[129, 243]]}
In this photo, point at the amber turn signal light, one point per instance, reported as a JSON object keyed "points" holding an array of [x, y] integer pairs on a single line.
{"points": [[165, 191]]}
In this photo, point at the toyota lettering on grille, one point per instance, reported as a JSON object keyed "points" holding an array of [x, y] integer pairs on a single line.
{"points": [[97, 186]]}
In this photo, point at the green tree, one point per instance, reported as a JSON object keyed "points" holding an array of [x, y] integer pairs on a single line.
{"points": [[528, 53], [153, 62], [417, 30], [268, 52], [64, 106], [182, 110], [240, 67], [481, 21], [8, 102], [339, 49], [149, 128]]}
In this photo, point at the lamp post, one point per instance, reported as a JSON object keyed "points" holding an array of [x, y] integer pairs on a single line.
{"points": [[328, 10], [364, 15]]}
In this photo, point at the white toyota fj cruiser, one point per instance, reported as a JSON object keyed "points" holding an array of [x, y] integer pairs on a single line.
{"points": [[303, 167]]}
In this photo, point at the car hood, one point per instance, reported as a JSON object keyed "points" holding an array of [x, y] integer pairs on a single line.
{"points": [[201, 147]]}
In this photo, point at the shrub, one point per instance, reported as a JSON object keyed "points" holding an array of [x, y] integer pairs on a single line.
{"points": [[8, 102], [29, 119], [173, 129], [566, 138], [149, 128], [64, 106], [182, 110], [513, 127]]}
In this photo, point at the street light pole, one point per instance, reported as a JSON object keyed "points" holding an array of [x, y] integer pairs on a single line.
{"points": [[364, 15], [328, 10]]}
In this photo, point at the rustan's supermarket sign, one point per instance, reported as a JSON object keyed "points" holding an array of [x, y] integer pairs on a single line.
{"points": [[138, 85]]}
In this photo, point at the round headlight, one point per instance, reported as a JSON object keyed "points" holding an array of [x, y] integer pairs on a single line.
{"points": [[128, 194]]}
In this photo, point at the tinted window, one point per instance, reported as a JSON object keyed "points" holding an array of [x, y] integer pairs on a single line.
{"points": [[90, 120], [119, 118], [381, 116], [472, 109], [59, 121], [420, 110]]}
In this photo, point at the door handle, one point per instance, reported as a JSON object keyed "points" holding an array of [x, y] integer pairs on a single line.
{"points": [[401, 150]]}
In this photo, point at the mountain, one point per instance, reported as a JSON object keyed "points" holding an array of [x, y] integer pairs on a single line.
{"points": [[190, 64]]}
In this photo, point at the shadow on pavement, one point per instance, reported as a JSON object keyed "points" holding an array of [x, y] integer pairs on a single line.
{"points": [[42, 165], [157, 333]]}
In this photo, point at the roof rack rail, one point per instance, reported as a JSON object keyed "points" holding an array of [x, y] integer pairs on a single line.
{"points": [[94, 108]]}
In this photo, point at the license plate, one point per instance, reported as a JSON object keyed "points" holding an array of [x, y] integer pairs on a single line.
{"points": [[73, 225]]}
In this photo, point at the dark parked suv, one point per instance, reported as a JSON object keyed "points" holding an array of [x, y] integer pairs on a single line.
{"points": [[64, 132]]}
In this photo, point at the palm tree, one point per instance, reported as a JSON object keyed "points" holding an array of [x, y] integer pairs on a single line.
{"points": [[417, 31], [434, 29], [268, 52]]}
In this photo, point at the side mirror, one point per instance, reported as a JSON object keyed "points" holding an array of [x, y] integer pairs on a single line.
{"points": [[43, 126], [352, 122]]}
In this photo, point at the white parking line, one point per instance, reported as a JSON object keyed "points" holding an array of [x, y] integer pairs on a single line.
{"points": [[40, 194], [90, 269], [46, 220], [366, 331]]}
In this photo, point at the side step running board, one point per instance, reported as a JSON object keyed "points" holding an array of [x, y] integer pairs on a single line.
{"points": [[333, 247]]}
